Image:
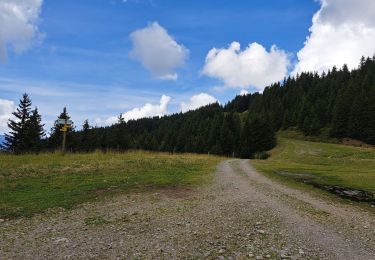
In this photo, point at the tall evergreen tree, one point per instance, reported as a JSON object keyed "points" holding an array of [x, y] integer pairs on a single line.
{"points": [[86, 126], [34, 131], [341, 111], [226, 137], [85, 140], [214, 135], [120, 119], [257, 135], [16, 139]]}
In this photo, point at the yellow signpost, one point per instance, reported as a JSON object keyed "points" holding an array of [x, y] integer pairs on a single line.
{"points": [[66, 125]]}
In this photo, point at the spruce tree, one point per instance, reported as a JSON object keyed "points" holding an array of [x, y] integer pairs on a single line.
{"points": [[339, 126], [86, 126], [85, 141], [257, 135], [214, 135], [34, 131], [120, 119], [226, 137], [236, 130], [16, 140], [245, 149], [371, 116]]}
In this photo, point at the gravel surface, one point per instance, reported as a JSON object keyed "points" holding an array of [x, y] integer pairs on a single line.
{"points": [[241, 215]]}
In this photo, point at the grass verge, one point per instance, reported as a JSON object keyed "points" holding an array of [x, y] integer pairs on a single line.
{"points": [[31, 184]]}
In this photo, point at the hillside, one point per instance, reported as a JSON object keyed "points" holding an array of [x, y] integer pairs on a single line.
{"points": [[338, 104], [342, 169]]}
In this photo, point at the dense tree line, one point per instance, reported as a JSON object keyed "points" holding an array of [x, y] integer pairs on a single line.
{"points": [[339, 103], [205, 130]]}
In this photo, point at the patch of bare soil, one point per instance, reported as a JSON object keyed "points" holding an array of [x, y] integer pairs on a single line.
{"points": [[354, 142], [176, 192], [241, 215]]}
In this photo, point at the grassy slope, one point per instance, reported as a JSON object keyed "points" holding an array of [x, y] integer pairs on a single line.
{"points": [[322, 163], [33, 183]]}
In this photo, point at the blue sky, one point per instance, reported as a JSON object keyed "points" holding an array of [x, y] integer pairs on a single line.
{"points": [[79, 52]]}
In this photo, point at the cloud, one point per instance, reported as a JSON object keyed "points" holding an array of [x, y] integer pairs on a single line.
{"points": [[6, 109], [244, 92], [148, 110], [19, 25], [342, 32], [197, 101], [157, 51], [173, 76], [252, 67]]}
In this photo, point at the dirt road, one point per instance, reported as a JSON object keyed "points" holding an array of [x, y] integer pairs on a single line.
{"points": [[241, 215]]}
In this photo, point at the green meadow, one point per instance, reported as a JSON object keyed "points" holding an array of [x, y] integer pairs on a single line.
{"points": [[321, 163], [31, 184]]}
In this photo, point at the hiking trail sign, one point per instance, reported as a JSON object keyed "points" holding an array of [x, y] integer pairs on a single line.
{"points": [[65, 125]]}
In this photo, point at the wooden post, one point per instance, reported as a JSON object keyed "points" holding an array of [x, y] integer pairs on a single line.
{"points": [[65, 125], [63, 142]]}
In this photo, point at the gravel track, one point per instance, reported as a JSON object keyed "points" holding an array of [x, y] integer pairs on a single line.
{"points": [[241, 215]]}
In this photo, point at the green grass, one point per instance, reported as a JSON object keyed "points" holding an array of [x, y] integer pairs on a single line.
{"points": [[321, 163], [31, 184]]}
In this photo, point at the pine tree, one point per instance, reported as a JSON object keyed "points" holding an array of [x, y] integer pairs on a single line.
{"points": [[341, 111], [15, 141], [257, 135], [120, 119], [287, 120], [245, 150], [370, 138], [86, 126], [226, 137], [235, 126], [214, 135], [121, 141], [34, 131], [85, 141]]}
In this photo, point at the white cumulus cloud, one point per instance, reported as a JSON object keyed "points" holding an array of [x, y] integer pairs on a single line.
{"points": [[197, 101], [157, 51], [342, 32], [18, 25], [148, 110], [6, 109], [252, 67]]}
